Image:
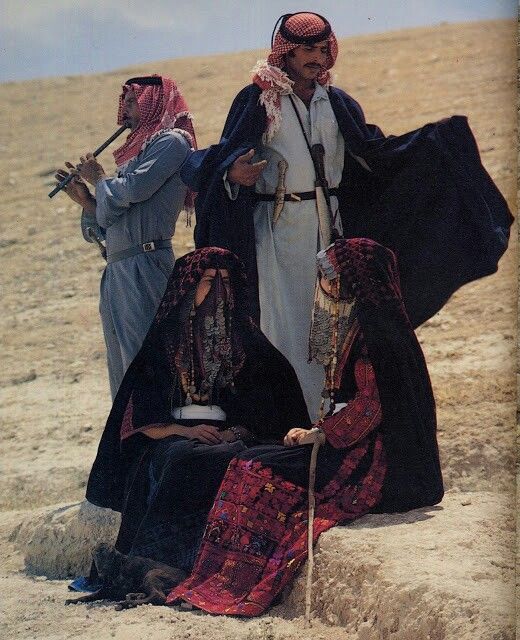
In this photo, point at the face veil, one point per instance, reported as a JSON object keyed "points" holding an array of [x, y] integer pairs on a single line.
{"points": [[210, 352], [330, 314]]}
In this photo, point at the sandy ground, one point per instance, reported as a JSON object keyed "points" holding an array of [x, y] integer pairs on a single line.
{"points": [[447, 573]]}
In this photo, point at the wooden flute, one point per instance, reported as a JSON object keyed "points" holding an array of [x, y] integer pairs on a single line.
{"points": [[105, 144]]}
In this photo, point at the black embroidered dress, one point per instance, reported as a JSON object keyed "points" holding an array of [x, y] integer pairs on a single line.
{"points": [[165, 487]]}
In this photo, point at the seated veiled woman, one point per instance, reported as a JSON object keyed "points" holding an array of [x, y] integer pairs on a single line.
{"points": [[205, 383], [380, 451]]}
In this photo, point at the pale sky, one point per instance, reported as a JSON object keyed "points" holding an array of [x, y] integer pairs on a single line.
{"points": [[64, 37]]}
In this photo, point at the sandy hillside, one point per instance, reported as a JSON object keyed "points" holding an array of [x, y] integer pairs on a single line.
{"points": [[441, 573]]}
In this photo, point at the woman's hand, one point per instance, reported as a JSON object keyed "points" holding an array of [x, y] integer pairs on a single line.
{"points": [[304, 436], [294, 436], [205, 433], [237, 433]]}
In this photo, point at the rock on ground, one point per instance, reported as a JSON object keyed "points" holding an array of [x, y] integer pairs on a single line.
{"points": [[433, 573], [58, 541]]}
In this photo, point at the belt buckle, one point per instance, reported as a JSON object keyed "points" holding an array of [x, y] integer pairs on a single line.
{"points": [[294, 197], [148, 246]]}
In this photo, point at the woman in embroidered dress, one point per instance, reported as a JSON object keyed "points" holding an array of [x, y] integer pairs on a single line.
{"points": [[380, 452], [205, 382]]}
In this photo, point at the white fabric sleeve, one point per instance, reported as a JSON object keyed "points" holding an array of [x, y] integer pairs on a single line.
{"points": [[232, 188]]}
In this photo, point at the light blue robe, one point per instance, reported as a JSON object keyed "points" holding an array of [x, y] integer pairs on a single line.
{"points": [[141, 204]]}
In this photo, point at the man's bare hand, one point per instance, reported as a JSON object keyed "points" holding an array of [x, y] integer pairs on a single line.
{"points": [[243, 172], [77, 190], [90, 169]]}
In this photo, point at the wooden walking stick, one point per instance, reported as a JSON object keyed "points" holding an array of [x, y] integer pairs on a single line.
{"points": [[317, 437]]}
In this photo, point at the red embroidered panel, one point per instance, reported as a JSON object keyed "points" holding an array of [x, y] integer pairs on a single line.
{"points": [[127, 424], [361, 415]]}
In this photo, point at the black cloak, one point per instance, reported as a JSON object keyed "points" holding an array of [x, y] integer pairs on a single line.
{"points": [[269, 399], [425, 195]]}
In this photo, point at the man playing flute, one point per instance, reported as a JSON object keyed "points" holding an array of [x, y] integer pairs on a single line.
{"points": [[135, 212]]}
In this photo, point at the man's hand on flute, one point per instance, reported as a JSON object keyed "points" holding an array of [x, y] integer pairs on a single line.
{"points": [[77, 190], [90, 169]]}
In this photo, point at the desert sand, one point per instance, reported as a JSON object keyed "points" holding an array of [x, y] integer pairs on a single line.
{"points": [[440, 573]]}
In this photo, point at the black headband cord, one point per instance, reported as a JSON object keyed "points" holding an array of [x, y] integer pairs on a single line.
{"points": [[145, 80], [291, 37]]}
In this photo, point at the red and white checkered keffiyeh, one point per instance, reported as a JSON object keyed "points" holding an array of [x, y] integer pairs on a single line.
{"points": [[270, 75], [304, 25], [161, 107]]}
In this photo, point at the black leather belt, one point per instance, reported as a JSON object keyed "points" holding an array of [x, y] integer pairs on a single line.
{"points": [[146, 247], [292, 197]]}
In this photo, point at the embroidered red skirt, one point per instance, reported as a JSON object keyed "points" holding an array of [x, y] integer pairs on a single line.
{"points": [[256, 536]]}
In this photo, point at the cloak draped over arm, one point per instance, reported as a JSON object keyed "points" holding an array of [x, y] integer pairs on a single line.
{"points": [[428, 198], [424, 194]]}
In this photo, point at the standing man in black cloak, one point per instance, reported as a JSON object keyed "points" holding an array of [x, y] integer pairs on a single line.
{"points": [[424, 194]]}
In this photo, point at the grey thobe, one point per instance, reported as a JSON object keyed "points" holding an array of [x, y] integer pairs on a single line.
{"points": [[286, 253], [140, 205]]}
